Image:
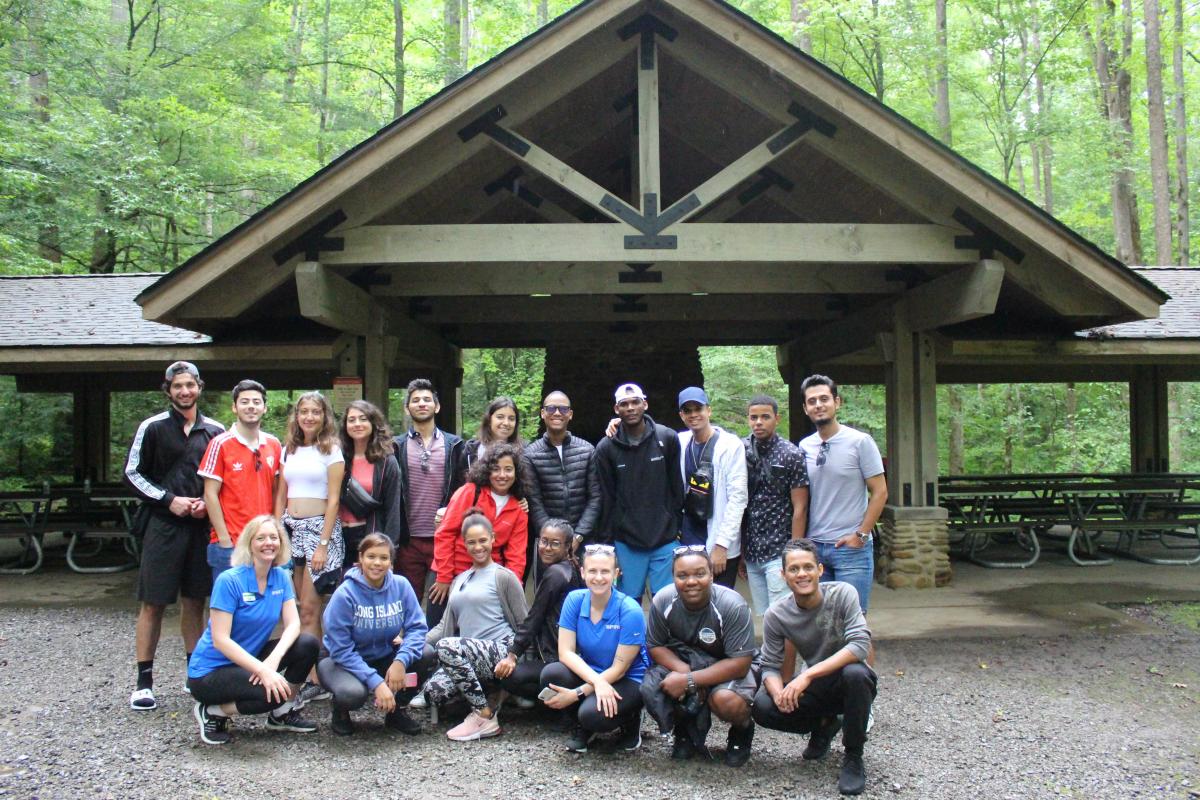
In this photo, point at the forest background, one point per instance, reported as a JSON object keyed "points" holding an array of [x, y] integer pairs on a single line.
{"points": [[135, 132]]}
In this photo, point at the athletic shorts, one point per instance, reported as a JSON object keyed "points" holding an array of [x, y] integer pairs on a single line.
{"points": [[174, 562], [743, 687]]}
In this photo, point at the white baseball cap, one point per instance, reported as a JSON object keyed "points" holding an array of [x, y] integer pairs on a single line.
{"points": [[628, 390]]}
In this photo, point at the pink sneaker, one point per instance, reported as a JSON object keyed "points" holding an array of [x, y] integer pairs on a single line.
{"points": [[474, 727]]}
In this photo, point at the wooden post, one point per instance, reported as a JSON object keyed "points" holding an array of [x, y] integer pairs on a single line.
{"points": [[793, 371], [902, 471], [648, 135], [925, 368], [379, 354], [449, 385], [1149, 443], [92, 429]]}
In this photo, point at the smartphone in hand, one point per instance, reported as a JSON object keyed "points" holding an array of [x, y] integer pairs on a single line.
{"points": [[546, 694]]}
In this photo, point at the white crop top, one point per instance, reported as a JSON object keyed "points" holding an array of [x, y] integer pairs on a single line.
{"points": [[307, 471]]}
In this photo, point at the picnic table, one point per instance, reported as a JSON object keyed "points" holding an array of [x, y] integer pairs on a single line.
{"points": [[1136, 508], [88, 515]]}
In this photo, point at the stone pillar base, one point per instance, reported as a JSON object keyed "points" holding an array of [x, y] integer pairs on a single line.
{"points": [[914, 548]]}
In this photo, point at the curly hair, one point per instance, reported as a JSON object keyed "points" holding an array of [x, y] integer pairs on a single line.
{"points": [[379, 446], [481, 470], [326, 437]]}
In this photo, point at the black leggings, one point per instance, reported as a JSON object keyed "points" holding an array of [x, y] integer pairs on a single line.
{"points": [[350, 693], [590, 717], [231, 683], [526, 679]]}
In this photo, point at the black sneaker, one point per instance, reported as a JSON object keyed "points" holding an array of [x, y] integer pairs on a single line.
{"points": [[399, 720], [821, 740], [578, 740], [291, 721], [310, 693], [737, 747], [853, 778], [630, 737], [341, 723], [213, 730], [682, 748]]}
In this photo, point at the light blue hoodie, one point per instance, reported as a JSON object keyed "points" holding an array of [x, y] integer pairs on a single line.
{"points": [[361, 623]]}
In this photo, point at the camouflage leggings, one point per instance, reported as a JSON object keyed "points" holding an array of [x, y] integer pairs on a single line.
{"points": [[466, 667]]}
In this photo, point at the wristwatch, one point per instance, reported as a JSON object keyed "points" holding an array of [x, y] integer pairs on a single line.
{"points": [[324, 543], [863, 536], [579, 692]]}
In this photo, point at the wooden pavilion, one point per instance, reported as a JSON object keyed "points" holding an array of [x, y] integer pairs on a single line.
{"points": [[641, 177]]}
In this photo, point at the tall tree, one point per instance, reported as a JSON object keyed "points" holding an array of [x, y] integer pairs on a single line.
{"points": [[398, 58], [942, 73], [1182, 206], [801, 35], [452, 61], [1111, 51], [1157, 115]]}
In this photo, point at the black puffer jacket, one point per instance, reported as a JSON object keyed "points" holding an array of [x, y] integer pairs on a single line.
{"points": [[565, 488]]}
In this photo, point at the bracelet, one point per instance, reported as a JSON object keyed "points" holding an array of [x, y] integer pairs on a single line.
{"points": [[691, 683], [580, 693]]}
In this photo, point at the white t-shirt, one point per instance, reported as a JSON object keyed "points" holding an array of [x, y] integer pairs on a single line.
{"points": [[307, 471], [837, 488]]}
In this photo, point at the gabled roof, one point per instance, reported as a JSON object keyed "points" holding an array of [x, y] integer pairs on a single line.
{"points": [[82, 311], [1178, 318], [252, 244]]}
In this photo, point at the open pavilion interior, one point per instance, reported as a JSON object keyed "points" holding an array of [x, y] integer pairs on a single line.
{"points": [[637, 179]]}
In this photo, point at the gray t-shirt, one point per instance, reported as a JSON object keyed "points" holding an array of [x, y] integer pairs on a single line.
{"points": [[476, 605], [837, 489], [722, 629], [817, 633]]}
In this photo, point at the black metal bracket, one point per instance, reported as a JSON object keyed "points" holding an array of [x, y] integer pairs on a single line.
{"points": [[641, 274], [815, 120], [767, 178], [647, 23], [630, 304], [486, 124], [314, 240], [511, 181], [984, 239]]}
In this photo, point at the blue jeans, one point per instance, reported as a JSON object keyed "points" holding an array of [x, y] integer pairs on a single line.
{"points": [[637, 564], [766, 583], [218, 558], [852, 565]]}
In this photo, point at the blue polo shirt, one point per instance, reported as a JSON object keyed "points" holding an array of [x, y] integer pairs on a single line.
{"points": [[255, 615], [621, 623]]}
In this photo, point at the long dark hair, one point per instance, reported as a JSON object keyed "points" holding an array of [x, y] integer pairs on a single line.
{"points": [[481, 469], [485, 426], [379, 446]]}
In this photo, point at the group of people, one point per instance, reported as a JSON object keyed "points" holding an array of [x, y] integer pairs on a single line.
{"points": [[370, 526]]}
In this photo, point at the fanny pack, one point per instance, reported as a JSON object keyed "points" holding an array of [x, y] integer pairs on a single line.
{"points": [[697, 492], [357, 500]]}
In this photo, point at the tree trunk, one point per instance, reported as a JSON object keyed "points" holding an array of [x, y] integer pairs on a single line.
{"points": [[543, 12], [957, 465], [1043, 156], [1182, 206], [323, 110], [877, 51], [1175, 423], [1156, 112], [1115, 91], [398, 58], [295, 49], [801, 37], [942, 69], [49, 244], [464, 53], [1073, 441], [451, 41]]}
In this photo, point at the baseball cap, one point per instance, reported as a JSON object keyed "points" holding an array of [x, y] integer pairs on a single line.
{"points": [[180, 367], [628, 390], [693, 394]]}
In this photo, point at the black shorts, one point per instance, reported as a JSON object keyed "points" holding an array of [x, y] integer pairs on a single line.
{"points": [[174, 563]]}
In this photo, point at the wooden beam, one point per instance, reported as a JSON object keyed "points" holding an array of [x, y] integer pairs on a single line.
{"points": [[649, 179], [959, 296], [1078, 349], [904, 142], [697, 243], [335, 302], [218, 356]]}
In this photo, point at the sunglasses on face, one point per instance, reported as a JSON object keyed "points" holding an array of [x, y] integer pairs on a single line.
{"points": [[564, 410]]}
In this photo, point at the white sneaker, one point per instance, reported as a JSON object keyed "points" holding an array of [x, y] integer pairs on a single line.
{"points": [[524, 702], [870, 718], [418, 702], [142, 700]]}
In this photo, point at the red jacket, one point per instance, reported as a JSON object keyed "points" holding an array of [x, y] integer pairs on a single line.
{"points": [[512, 534]]}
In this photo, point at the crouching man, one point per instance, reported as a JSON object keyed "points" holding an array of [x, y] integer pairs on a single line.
{"points": [[701, 638], [829, 641]]}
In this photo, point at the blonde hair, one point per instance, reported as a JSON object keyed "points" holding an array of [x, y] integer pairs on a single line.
{"points": [[241, 550]]}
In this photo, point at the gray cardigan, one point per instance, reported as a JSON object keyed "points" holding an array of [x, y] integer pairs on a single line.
{"points": [[512, 602]]}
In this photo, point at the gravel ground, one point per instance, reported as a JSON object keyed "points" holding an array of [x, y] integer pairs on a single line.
{"points": [[1088, 716]]}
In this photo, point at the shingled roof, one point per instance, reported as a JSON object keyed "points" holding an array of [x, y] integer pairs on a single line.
{"points": [[1178, 318], [82, 310]]}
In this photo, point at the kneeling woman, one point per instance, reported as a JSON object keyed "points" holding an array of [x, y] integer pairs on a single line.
{"points": [[236, 667], [601, 656], [536, 641], [375, 634], [485, 606]]}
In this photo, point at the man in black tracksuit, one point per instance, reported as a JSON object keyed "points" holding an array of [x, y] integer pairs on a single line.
{"points": [[641, 493]]}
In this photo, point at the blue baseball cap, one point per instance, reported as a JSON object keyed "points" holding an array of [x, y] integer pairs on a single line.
{"points": [[693, 394]]}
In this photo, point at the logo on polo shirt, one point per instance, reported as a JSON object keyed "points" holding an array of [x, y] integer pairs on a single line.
{"points": [[236, 466], [613, 627], [271, 462], [249, 597], [707, 635]]}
